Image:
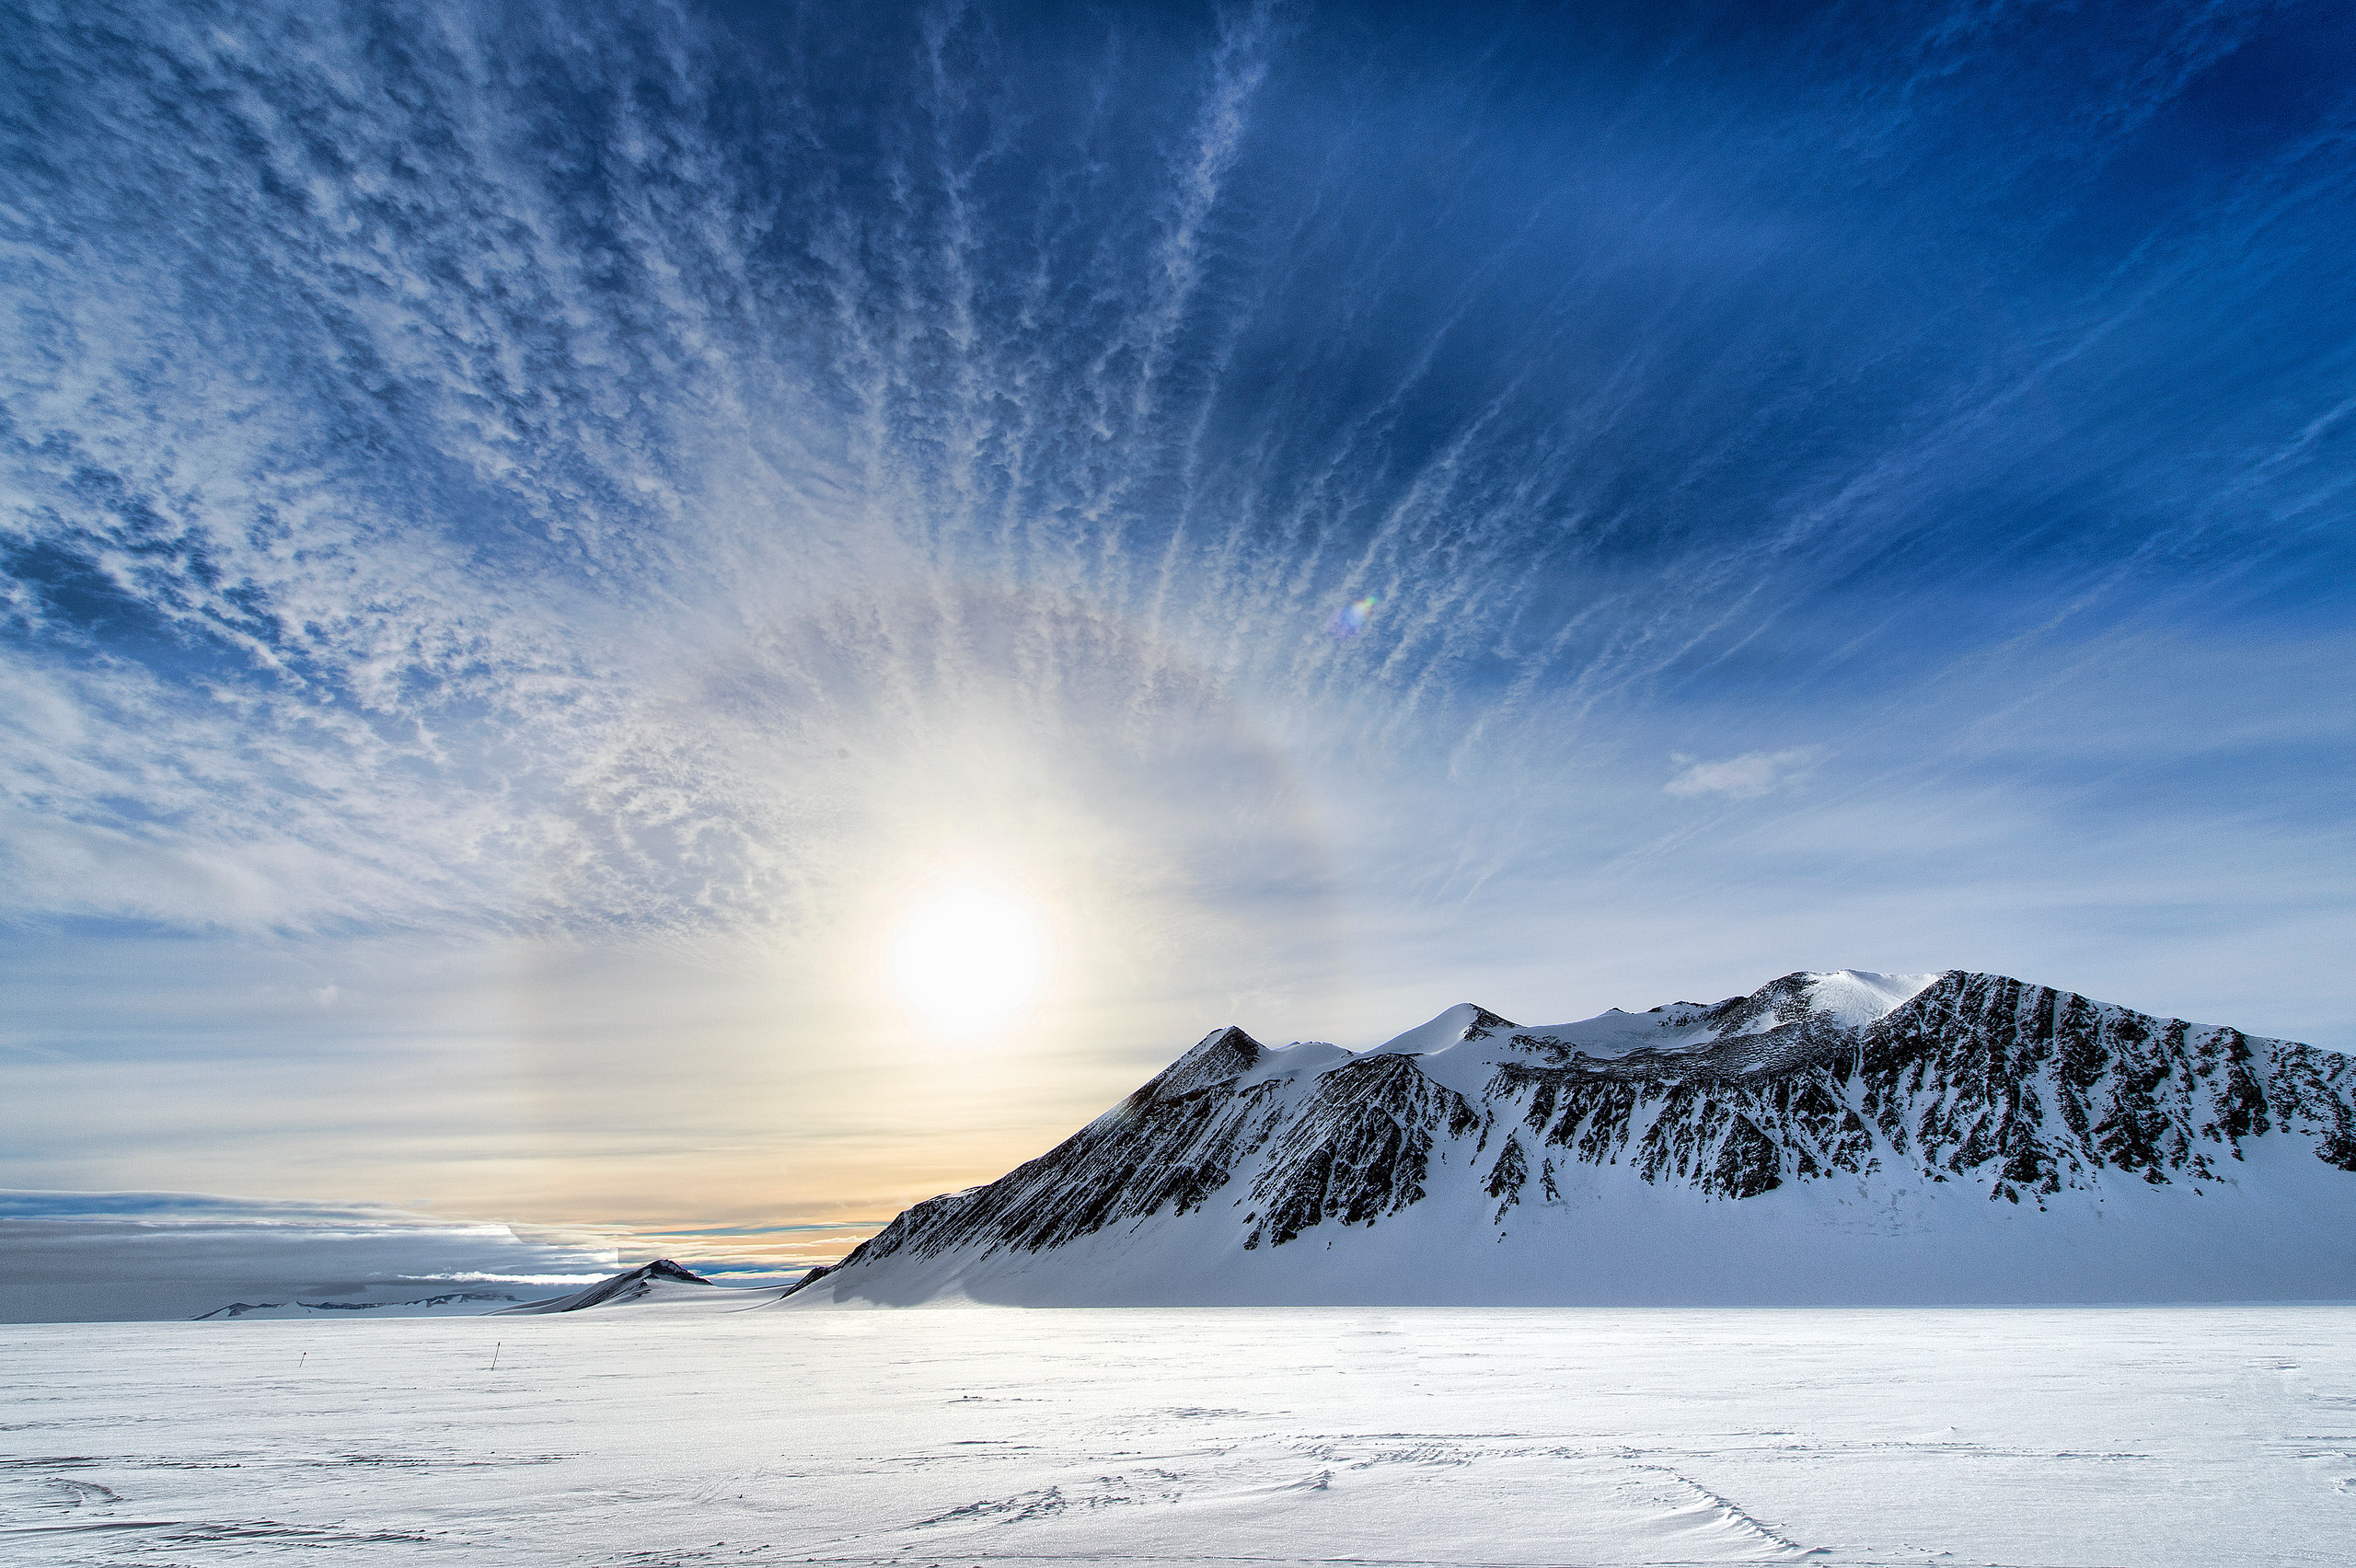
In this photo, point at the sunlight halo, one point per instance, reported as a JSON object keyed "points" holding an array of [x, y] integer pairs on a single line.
{"points": [[967, 959]]}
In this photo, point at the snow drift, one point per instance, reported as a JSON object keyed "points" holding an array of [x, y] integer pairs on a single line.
{"points": [[1842, 1137]]}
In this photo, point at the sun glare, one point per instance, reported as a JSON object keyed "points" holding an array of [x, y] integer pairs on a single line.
{"points": [[967, 960]]}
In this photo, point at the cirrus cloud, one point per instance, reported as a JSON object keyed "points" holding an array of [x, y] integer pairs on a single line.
{"points": [[1743, 778]]}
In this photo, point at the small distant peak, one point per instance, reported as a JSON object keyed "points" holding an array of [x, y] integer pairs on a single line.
{"points": [[630, 1285], [664, 1268]]}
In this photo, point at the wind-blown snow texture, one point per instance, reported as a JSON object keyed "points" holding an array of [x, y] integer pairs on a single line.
{"points": [[1832, 1138], [2202, 1437]]}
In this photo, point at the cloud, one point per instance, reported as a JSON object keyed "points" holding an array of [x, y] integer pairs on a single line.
{"points": [[101, 1256], [1743, 778], [371, 514], [682, 488]]}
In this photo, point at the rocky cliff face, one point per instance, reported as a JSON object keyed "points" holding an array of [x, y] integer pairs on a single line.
{"points": [[1954, 1087], [2038, 1089]]}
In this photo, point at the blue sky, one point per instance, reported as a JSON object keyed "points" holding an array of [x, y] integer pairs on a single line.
{"points": [[536, 535]]}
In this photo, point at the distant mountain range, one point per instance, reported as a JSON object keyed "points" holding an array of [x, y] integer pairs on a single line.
{"points": [[659, 1283], [1831, 1138], [449, 1304]]}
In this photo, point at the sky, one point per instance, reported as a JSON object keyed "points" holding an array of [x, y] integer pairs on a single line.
{"points": [[704, 620]]}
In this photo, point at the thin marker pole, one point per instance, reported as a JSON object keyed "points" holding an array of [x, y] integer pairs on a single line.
{"points": [[494, 1355]]}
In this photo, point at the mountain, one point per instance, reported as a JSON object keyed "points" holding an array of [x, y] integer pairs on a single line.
{"points": [[451, 1304], [660, 1280], [659, 1283], [1831, 1138]]}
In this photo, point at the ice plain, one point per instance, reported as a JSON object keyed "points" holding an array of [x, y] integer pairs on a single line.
{"points": [[2144, 1437]]}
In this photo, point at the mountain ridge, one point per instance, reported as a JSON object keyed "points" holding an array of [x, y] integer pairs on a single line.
{"points": [[1823, 1096]]}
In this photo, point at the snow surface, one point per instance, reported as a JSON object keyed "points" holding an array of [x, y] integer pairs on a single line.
{"points": [[1854, 997], [2158, 1437]]}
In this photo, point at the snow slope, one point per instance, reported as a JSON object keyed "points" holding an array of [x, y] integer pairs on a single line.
{"points": [[2200, 1437], [1833, 1138]]}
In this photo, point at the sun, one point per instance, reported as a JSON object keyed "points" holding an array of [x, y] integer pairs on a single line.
{"points": [[967, 959]]}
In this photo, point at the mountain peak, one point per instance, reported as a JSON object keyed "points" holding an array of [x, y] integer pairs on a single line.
{"points": [[664, 1268], [659, 1278], [1453, 1026]]}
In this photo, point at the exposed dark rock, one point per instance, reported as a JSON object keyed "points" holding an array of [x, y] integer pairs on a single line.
{"points": [[1360, 1149]]}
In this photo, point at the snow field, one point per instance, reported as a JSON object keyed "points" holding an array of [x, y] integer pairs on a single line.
{"points": [[2207, 1436]]}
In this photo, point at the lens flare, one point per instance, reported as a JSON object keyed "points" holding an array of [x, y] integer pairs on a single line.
{"points": [[1350, 619]]}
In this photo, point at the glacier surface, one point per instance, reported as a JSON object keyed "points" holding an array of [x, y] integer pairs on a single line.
{"points": [[665, 1436]]}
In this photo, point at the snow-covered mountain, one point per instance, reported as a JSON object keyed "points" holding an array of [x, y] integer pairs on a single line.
{"points": [[660, 1280], [449, 1304], [1841, 1137], [655, 1286], [661, 1283]]}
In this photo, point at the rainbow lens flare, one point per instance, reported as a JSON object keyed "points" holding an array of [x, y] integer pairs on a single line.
{"points": [[1350, 619]]}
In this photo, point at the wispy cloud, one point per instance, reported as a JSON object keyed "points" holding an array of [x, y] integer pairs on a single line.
{"points": [[384, 478], [680, 478], [1743, 778]]}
